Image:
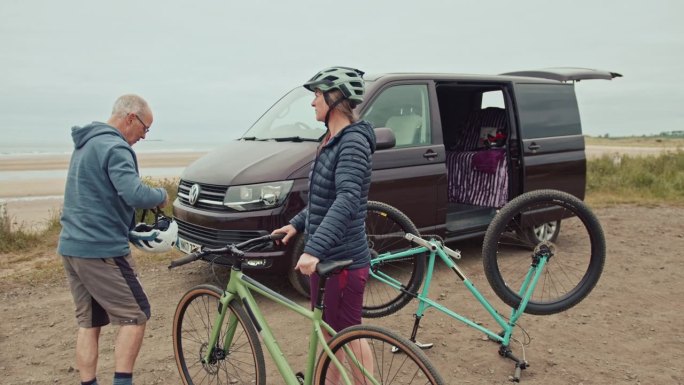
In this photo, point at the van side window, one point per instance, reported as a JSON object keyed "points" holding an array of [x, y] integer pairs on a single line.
{"points": [[405, 110], [548, 110]]}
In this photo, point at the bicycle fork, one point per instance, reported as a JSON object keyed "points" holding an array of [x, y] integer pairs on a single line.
{"points": [[539, 260], [214, 352]]}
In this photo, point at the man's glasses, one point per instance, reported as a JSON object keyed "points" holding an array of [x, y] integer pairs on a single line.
{"points": [[146, 127]]}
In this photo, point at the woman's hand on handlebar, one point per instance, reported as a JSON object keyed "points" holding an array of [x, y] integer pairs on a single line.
{"points": [[289, 232]]}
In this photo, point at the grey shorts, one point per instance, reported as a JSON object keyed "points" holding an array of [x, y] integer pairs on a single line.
{"points": [[106, 289]]}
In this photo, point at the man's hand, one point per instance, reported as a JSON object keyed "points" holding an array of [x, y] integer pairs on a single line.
{"points": [[289, 232], [307, 264], [166, 201]]}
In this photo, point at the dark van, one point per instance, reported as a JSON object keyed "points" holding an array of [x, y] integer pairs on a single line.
{"points": [[464, 145]]}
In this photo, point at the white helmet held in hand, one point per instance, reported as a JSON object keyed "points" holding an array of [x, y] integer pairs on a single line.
{"points": [[157, 238]]}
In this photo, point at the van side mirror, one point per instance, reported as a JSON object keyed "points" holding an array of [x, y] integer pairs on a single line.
{"points": [[384, 138]]}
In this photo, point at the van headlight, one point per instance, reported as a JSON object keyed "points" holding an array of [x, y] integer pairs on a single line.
{"points": [[257, 196]]}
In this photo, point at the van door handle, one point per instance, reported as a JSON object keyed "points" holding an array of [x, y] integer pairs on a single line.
{"points": [[430, 154], [534, 146]]}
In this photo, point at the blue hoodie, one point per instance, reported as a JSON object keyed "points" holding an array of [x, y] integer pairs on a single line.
{"points": [[103, 188]]}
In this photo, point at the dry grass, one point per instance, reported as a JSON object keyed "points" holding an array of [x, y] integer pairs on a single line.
{"points": [[635, 141], [34, 264], [29, 257], [643, 180]]}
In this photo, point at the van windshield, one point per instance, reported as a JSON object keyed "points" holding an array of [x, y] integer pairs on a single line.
{"points": [[290, 119]]}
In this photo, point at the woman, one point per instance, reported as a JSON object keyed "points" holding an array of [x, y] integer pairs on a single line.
{"points": [[333, 220]]}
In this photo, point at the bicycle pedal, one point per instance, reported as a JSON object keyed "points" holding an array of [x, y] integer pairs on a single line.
{"points": [[300, 377], [424, 346], [418, 344]]}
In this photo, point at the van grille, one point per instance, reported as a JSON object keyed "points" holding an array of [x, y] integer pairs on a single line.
{"points": [[210, 197], [214, 238]]}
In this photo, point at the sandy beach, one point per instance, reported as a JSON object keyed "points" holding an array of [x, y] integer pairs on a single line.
{"points": [[33, 190], [31, 201]]}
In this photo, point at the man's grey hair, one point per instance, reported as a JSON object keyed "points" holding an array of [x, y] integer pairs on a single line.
{"points": [[127, 104]]}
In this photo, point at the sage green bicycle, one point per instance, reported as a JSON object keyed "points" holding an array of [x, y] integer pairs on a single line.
{"points": [[216, 336], [529, 264]]}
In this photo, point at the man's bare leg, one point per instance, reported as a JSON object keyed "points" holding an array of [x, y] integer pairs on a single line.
{"points": [[128, 343], [87, 345]]}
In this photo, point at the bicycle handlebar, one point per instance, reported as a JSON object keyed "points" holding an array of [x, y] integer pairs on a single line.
{"points": [[231, 249], [419, 241], [432, 246]]}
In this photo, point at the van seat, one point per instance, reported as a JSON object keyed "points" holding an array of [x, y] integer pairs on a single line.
{"points": [[469, 140], [467, 185], [405, 128], [478, 176]]}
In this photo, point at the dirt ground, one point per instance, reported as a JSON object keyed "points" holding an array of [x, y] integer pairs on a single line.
{"points": [[628, 331]]}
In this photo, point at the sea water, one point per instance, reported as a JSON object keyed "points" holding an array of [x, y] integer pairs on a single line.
{"points": [[27, 142]]}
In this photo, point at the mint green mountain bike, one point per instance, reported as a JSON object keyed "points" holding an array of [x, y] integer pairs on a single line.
{"points": [[216, 336], [529, 263]]}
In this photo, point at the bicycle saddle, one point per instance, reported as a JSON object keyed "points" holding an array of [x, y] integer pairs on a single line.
{"points": [[328, 268]]}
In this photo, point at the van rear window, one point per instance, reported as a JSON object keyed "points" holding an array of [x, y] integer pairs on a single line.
{"points": [[547, 110]]}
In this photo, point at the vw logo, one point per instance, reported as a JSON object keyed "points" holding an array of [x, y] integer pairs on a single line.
{"points": [[194, 194]]}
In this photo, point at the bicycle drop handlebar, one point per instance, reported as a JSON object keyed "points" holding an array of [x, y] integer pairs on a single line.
{"points": [[230, 249]]}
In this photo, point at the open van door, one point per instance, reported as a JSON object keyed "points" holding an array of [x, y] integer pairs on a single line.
{"points": [[565, 74], [551, 135], [550, 128]]}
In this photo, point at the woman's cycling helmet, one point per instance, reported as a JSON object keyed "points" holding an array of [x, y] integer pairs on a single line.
{"points": [[348, 80], [157, 238]]}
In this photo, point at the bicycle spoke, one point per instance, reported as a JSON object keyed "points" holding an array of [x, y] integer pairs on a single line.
{"points": [[408, 366], [385, 228], [241, 363]]}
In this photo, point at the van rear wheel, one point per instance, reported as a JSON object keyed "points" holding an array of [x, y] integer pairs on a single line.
{"points": [[299, 281], [545, 232]]}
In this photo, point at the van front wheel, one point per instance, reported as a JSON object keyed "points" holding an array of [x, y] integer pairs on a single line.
{"points": [[299, 281]]}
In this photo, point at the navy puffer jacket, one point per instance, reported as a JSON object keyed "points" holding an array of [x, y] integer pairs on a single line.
{"points": [[333, 221]]}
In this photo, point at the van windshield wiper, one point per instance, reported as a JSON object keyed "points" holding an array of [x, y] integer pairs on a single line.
{"points": [[252, 138], [294, 139]]}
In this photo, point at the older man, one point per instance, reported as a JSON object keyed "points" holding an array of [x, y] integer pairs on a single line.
{"points": [[103, 189]]}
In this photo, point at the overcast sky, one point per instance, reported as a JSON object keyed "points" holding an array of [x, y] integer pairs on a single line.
{"points": [[210, 67]]}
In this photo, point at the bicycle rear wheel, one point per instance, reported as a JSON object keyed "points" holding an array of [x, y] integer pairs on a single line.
{"points": [[578, 253], [385, 228], [372, 346], [241, 363]]}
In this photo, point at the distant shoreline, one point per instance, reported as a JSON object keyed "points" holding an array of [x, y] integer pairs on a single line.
{"points": [[26, 162], [31, 202], [50, 171]]}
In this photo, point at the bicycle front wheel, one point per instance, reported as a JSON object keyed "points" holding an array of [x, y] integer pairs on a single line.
{"points": [[578, 250], [240, 363], [369, 349], [385, 228]]}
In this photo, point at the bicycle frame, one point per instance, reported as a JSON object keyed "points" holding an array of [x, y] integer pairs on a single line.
{"points": [[424, 302], [240, 287]]}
